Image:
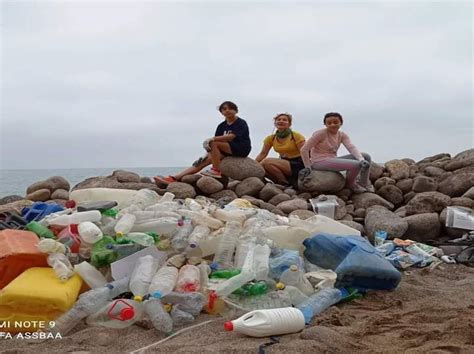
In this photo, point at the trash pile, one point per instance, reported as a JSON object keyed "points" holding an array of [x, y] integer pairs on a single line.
{"points": [[114, 257]]}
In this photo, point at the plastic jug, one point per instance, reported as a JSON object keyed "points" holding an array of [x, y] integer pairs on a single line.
{"points": [[76, 218], [264, 323], [357, 263], [189, 279], [89, 232], [323, 224], [123, 197], [164, 281], [119, 313], [90, 275]]}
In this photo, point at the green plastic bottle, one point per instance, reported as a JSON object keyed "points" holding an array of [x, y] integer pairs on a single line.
{"points": [[252, 288], [40, 230], [112, 212], [101, 256], [224, 273]]}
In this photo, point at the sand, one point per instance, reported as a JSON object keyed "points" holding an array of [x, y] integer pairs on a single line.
{"points": [[431, 311]]}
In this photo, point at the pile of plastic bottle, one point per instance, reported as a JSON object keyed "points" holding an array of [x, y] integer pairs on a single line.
{"points": [[188, 256]]}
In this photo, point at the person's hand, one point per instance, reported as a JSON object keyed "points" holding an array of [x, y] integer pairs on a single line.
{"points": [[207, 144], [364, 164], [305, 172]]}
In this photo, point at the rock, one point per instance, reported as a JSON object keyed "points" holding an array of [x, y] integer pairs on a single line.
{"points": [[344, 194], [60, 194], [463, 159], [232, 185], [209, 185], [191, 179], [405, 185], [433, 158], [402, 211], [278, 211], [379, 218], [10, 199], [346, 217], [397, 169], [407, 197], [365, 200], [468, 169], [292, 205], [146, 180], [302, 214], [181, 190], [240, 168], [59, 182], [469, 193], [454, 232], [376, 171], [350, 209], [359, 220], [427, 202], [266, 206], [40, 195], [249, 186], [408, 161], [322, 181], [360, 213], [269, 191], [279, 186], [424, 184], [40, 185], [444, 176], [384, 181], [391, 193], [464, 202], [432, 171], [457, 184], [413, 171], [422, 227], [290, 191], [98, 182], [226, 193], [126, 176], [15, 206], [279, 198], [138, 185], [305, 196], [354, 225]]}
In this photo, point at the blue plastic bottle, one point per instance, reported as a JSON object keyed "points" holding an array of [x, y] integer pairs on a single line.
{"points": [[317, 303]]}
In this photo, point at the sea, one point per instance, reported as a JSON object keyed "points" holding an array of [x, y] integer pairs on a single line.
{"points": [[17, 181]]}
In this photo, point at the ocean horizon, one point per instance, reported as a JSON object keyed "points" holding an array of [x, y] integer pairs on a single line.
{"points": [[16, 181]]}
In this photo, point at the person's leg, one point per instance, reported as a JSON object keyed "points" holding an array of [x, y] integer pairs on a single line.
{"points": [[217, 148], [364, 172], [188, 171], [340, 164], [278, 170]]}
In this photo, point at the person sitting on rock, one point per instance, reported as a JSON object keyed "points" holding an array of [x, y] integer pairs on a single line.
{"points": [[320, 153], [231, 138], [287, 143]]}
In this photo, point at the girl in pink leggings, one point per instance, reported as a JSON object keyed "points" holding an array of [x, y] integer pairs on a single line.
{"points": [[320, 153]]}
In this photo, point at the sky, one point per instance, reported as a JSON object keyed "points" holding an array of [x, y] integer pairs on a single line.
{"points": [[137, 84]]}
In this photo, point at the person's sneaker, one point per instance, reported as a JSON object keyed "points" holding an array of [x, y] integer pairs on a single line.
{"points": [[358, 189], [212, 172], [164, 180]]}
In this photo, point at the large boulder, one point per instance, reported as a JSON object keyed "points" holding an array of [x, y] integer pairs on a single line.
{"points": [[269, 191], [379, 218], [191, 179], [249, 186], [139, 185], [376, 171], [10, 199], [15, 206], [181, 190], [424, 184], [457, 184], [59, 182], [365, 200], [427, 202], [433, 171], [98, 182], [209, 185], [391, 193], [60, 194], [397, 169], [282, 197], [126, 176], [463, 159], [322, 181], [226, 193], [41, 195], [469, 193], [405, 185], [462, 201], [434, 158], [422, 227], [384, 181], [240, 168], [40, 185], [292, 205], [303, 214]]}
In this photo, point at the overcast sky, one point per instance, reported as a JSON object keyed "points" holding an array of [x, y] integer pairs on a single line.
{"points": [[105, 84]]}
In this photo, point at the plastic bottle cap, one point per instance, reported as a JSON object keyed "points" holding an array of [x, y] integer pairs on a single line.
{"points": [[157, 295], [138, 298], [119, 234], [280, 286], [167, 307], [127, 313], [294, 268], [229, 326], [70, 204], [192, 245]]}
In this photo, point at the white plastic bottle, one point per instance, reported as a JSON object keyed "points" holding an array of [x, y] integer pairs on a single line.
{"points": [[90, 275], [125, 224], [120, 313], [141, 238], [162, 226], [144, 198], [48, 245], [226, 248], [158, 316], [140, 280], [61, 265], [167, 197], [263, 323], [89, 232], [164, 280], [189, 279], [243, 247], [295, 277], [261, 257], [76, 218], [181, 236], [200, 232]]}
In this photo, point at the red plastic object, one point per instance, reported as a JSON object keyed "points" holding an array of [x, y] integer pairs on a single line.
{"points": [[18, 252], [125, 314], [211, 300], [69, 236], [70, 204], [229, 326]]}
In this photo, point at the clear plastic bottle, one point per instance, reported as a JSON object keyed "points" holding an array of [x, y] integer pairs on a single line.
{"points": [[295, 294], [144, 198], [189, 302], [271, 300], [48, 245], [180, 317], [189, 279], [167, 197], [261, 257], [193, 250], [204, 271], [230, 215], [200, 232], [76, 218], [61, 265], [140, 279], [90, 275], [164, 206], [192, 204], [244, 245], [179, 240], [89, 232], [201, 217], [295, 277], [125, 249], [247, 274], [319, 302], [162, 226], [164, 280], [143, 216], [141, 238], [158, 316], [125, 224], [120, 313], [226, 248]]}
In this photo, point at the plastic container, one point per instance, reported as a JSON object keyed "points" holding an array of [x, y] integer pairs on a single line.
{"points": [[18, 252], [158, 316], [162, 226], [76, 218], [319, 302], [167, 197], [189, 302], [193, 250], [144, 270], [141, 238], [357, 263], [120, 313], [101, 254], [287, 237], [89, 232], [295, 277], [230, 215], [244, 245], [144, 198], [69, 236], [260, 265], [164, 281], [48, 245], [39, 230], [226, 248], [204, 271], [125, 224], [101, 206], [224, 273], [49, 298], [125, 249], [295, 295], [90, 275], [179, 240], [264, 323], [281, 260], [200, 232], [123, 197], [39, 210], [61, 266], [202, 218], [189, 279]]}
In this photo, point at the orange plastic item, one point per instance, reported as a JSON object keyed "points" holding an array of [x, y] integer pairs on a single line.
{"points": [[18, 252]]}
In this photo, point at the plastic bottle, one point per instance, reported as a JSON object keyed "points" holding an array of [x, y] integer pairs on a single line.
{"points": [[158, 316], [295, 294], [144, 198], [204, 271], [125, 249], [143, 216], [261, 257], [192, 204], [120, 313], [230, 215], [90, 275], [226, 248], [48, 245], [101, 255], [167, 197], [39, 230], [199, 233], [319, 302], [271, 300], [164, 280], [89, 232], [101, 206], [140, 279], [202, 218], [251, 289], [125, 224], [141, 238], [164, 206], [189, 302], [247, 274], [263, 323], [76, 218], [295, 277], [193, 250], [162, 226], [224, 273], [189, 279], [180, 317], [61, 265], [180, 238]]}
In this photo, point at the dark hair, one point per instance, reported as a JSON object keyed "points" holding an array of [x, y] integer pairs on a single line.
{"points": [[333, 114], [229, 104]]}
